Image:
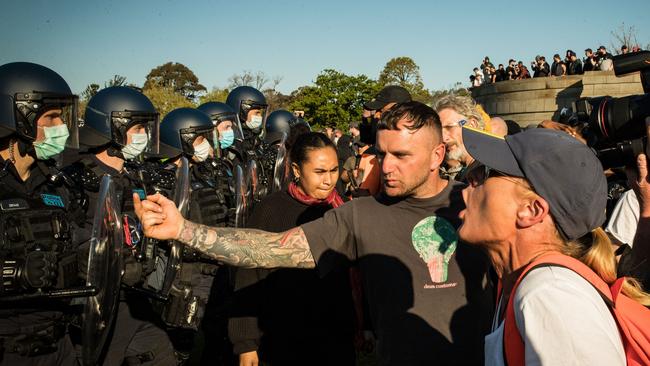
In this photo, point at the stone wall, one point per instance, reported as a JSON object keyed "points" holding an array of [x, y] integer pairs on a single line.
{"points": [[531, 101]]}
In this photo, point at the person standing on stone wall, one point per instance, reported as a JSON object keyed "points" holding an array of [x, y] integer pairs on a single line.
{"points": [[574, 67], [590, 61], [558, 68]]}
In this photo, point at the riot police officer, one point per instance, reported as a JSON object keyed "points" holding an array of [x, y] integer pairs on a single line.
{"points": [[228, 129], [250, 106], [120, 125], [189, 135], [38, 215]]}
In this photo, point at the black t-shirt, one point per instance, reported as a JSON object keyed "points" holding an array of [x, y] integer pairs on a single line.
{"points": [[426, 290]]}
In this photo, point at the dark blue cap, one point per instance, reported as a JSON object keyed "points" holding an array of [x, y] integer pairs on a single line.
{"points": [[562, 170]]}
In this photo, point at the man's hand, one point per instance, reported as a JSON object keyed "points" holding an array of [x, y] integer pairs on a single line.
{"points": [[159, 217], [249, 359], [640, 182]]}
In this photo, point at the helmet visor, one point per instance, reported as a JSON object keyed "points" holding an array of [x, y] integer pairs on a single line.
{"points": [[226, 121], [124, 120], [42, 103], [191, 134]]}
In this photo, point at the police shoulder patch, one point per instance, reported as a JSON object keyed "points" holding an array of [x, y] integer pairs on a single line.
{"points": [[52, 200]]}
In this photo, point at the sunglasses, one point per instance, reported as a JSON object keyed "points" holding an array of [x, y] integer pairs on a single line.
{"points": [[479, 174]]}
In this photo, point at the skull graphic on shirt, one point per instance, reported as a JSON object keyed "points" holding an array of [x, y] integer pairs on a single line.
{"points": [[435, 239]]}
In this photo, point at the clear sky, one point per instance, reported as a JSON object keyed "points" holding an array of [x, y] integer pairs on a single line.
{"points": [[90, 41]]}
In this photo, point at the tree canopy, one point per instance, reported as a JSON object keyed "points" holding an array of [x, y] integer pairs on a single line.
{"points": [[176, 76], [335, 99]]}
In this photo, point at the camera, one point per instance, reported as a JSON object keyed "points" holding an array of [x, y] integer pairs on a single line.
{"points": [[615, 127]]}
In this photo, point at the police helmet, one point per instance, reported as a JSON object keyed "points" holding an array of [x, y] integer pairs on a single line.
{"points": [[245, 98], [29, 90], [180, 128], [112, 112]]}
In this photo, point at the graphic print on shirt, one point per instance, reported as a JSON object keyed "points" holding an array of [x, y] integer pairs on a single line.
{"points": [[435, 239]]}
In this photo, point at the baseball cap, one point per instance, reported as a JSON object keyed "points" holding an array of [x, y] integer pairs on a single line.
{"points": [[562, 170], [389, 94], [602, 48]]}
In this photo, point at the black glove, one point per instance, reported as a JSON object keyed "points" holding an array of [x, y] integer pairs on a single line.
{"points": [[37, 271], [40, 270]]}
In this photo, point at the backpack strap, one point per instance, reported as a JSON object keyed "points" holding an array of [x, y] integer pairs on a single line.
{"points": [[513, 344]]}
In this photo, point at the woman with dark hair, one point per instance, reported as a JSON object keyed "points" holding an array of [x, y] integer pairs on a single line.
{"points": [[292, 316]]}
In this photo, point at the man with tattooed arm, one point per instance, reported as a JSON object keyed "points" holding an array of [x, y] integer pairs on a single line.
{"points": [[426, 290]]}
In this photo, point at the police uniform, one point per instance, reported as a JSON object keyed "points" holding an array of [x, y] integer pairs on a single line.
{"points": [[37, 215], [136, 339]]}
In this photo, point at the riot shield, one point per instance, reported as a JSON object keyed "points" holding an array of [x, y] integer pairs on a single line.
{"points": [[241, 196], [280, 167], [105, 266], [182, 200], [253, 182]]}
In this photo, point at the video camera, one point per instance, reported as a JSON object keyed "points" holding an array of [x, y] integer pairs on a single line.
{"points": [[615, 127]]}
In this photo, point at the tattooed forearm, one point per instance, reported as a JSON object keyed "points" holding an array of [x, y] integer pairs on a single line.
{"points": [[249, 247]]}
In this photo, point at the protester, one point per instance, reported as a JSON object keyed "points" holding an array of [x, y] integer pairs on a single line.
{"points": [[424, 288], [479, 78], [354, 131], [292, 314], [367, 172], [525, 210], [456, 112]]}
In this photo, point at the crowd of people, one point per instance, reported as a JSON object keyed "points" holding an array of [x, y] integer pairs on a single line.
{"points": [[226, 235], [571, 64]]}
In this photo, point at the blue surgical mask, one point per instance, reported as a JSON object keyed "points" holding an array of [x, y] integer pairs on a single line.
{"points": [[227, 139], [138, 144], [254, 123], [54, 142]]}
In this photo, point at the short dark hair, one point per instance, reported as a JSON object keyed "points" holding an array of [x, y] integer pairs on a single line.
{"points": [[308, 142], [589, 50], [419, 114]]}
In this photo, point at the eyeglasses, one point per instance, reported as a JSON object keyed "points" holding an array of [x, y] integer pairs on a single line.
{"points": [[460, 123]]}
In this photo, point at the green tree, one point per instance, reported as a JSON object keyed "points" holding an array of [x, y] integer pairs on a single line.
{"points": [[215, 95], [165, 98], [403, 71], [89, 92], [335, 99], [117, 80], [176, 76]]}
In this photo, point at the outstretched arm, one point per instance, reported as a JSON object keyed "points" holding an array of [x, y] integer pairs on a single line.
{"points": [[249, 248]]}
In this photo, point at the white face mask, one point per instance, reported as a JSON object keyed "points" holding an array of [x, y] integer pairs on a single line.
{"points": [[202, 151], [254, 123], [138, 144]]}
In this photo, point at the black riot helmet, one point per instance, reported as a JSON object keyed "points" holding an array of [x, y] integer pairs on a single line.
{"points": [[112, 112], [222, 112], [180, 128], [243, 99], [280, 121], [29, 90]]}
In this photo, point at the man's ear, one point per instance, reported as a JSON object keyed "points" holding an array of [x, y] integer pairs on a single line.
{"points": [[471, 122], [532, 211], [437, 156]]}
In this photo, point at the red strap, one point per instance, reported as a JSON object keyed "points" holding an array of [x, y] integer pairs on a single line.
{"points": [[514, 350]]}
